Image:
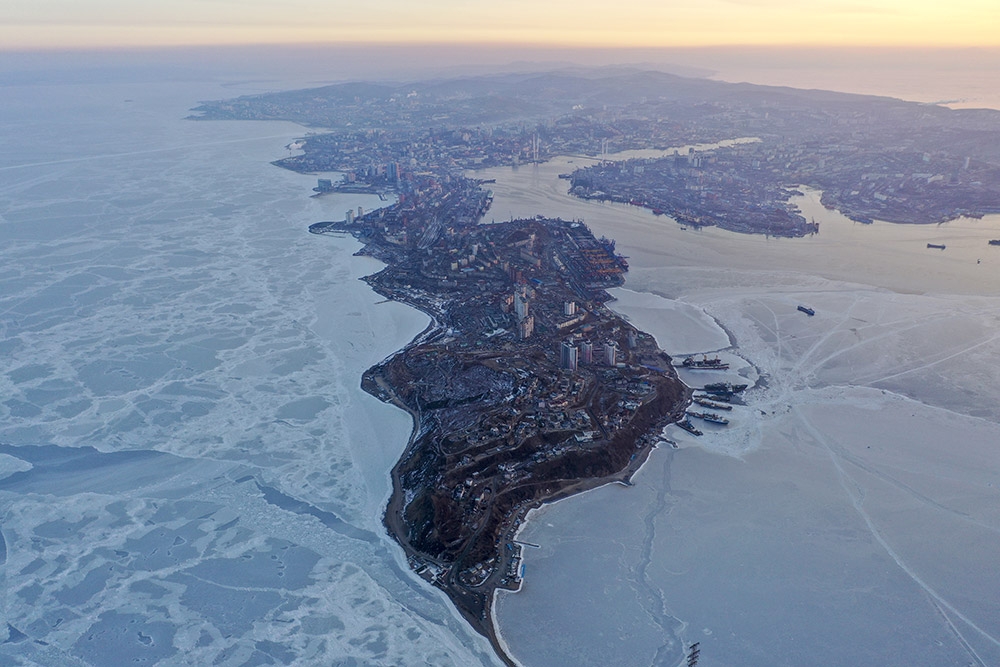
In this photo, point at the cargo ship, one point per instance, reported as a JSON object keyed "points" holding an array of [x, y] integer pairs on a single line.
{"points": [[705, 363], [714, 397], [688, 426], [710, 417], [711, 404], [723, 388]]}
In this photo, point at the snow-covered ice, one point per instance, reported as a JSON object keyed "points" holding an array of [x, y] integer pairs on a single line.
{"points": [[190, 474], [189, 471], [849, 514]]}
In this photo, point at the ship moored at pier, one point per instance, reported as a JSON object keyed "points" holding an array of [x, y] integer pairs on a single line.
{"points": [[723, 388], [706, 364], [710, 417]]}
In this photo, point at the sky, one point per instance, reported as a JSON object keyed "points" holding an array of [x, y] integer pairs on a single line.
{"points": [[70, 24]]}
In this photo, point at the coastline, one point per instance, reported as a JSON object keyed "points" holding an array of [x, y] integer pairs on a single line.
{"points": [[391, 498], [492, 631], [396, 526], [495, 634], [651, 327], [497, 637], [392, 516], [658, 400]]}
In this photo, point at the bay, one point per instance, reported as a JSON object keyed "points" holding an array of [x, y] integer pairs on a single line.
{"points": [[848, 512]]}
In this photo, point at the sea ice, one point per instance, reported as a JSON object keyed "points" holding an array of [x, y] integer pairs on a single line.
{"points": [[189, 466]]}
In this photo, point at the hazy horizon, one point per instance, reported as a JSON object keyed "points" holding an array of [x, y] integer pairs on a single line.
{"points": [[966, 77]]}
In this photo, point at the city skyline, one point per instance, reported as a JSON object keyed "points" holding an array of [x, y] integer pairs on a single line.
{"points": [[63, 24]]}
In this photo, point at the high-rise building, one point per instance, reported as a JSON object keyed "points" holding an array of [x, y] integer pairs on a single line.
{"points": [[568, 356], [610, 353], [569, 308], [587, 352], [520, 306], [526, 327]]}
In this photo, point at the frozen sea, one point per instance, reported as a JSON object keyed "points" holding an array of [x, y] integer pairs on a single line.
{"points": [[850, 512], [189, 472]]}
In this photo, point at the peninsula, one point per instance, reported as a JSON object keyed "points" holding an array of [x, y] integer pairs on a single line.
{"points": [[525, 388]]}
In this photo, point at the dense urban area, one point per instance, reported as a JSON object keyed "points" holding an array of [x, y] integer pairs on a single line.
{"points": [[873, 157], [526, 387]]}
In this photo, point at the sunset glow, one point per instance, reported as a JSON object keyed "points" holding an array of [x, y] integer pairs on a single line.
{"points": [[48, 24]]}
